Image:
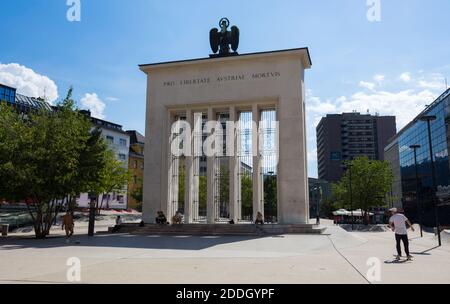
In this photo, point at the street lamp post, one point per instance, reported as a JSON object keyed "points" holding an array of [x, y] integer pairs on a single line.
{"points": [[348, 167], [318, 205], [92, 212], [419, 208], [428, 120]]}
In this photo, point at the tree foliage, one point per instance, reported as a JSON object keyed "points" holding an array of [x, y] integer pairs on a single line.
{"points": [[270, 195], [369, 182], [113, 178], [138, 196], [47, 158]]}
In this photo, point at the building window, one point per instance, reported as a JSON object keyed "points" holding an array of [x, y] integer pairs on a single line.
{"points": [[135, 164], [123, 142], [121, 199], [110, 139], [336, 156], [135, 179], [122, 157]]}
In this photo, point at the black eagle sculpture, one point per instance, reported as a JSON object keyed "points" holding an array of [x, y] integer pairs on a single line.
{"points": [[221, 40]]}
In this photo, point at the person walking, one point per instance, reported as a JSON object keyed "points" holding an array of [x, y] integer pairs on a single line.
{"points": [[398, 223], [68, 224]]}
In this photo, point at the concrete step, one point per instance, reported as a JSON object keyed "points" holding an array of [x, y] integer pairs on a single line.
{"points": [[220, 229]]}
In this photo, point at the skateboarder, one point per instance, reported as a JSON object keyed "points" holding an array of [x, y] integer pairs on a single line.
{"points": [[398, 224]]}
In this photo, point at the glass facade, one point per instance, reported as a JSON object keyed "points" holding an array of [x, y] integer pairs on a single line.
{"points": [[417, 197], [7, 94]]}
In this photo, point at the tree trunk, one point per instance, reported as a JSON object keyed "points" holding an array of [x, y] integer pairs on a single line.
{"points": [[39, 229], [101, 205]]}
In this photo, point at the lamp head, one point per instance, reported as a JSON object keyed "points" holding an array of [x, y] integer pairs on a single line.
{"points": [[428, 118], [414, 147]]}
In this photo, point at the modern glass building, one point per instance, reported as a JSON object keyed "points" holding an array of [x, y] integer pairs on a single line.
{"points": [[7, 94], [417, 197], [20, 102]]}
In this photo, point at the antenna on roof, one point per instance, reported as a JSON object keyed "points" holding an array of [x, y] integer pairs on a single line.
{"points": [[446, 85], [45, 93]]}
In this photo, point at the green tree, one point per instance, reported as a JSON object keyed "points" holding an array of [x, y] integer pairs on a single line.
{"points": [[247, 195], [181, 182], [138, 196], [113, 177], [224, 184], [370, 181], [327, 207], [45, 164], [47, 158], [270, 194], [203, 186]]}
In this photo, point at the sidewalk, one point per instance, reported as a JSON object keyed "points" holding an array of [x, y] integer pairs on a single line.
{"points": [[339, 257]]}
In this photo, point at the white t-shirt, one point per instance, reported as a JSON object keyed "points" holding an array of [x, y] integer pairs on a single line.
{"points": [[399, 221]]}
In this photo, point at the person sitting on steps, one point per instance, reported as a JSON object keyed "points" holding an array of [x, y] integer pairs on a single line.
{"points": [[161, 218], [177, 219], [259, 219], [118, 225]]}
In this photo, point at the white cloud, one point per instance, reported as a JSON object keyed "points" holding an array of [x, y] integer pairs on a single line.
{"points": [[113, 99], [435, 82], [405, 77], [379, 78], [312, 155], [367, 85], [405, 104], [94, 104], [28, 82]]}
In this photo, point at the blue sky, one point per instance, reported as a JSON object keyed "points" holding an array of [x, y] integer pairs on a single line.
{"points": [[394, 67]]}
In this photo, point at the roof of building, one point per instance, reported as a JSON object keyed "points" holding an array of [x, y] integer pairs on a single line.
{"points": [[136, 137], [28, 102], [4, 85], [103, 124], [307, 64], [135, 155], [31, 102]]}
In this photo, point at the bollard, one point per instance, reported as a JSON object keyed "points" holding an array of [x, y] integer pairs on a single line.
{"points": [[5, 228]]}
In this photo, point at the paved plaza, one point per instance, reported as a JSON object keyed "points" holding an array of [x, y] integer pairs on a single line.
{"points": [[337, 257]]}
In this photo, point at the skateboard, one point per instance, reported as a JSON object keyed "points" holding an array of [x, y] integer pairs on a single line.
{"points": [[402, 259]]}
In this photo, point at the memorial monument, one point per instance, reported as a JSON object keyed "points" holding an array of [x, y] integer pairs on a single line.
{"points": [[191, 104]]}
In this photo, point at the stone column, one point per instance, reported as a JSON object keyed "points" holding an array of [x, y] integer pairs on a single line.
{"points": [[173, 172], [189, 172], [197, 142], [210, 206], [234, 166], [257, 179]]}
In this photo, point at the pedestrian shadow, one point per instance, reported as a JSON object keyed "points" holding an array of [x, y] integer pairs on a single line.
{"points": [[416, 238], [426, 252]]}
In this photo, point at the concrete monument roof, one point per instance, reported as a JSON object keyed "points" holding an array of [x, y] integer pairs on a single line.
{"points": [[304, 52]]}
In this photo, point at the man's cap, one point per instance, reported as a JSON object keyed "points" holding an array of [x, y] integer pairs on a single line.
{"points": [[395, 210]]}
